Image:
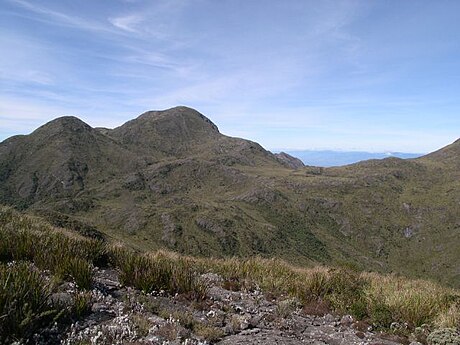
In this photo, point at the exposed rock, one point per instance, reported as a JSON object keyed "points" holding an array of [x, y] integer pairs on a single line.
{"points": [[121, 315], [289, 161], [346, 320], [171, 231], [408, 232]]}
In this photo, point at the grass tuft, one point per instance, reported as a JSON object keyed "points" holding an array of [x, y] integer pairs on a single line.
{"points": [[158, 272], [24, 304]]}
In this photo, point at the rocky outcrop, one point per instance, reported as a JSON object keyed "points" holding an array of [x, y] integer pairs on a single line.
{"points": [[121, 315], [289, 161]]}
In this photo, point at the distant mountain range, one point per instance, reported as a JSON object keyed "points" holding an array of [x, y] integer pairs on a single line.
{"points": [[170, 179], [330, 158]]}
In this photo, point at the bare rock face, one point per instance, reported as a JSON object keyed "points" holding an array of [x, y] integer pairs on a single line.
{"points": [[289, 161]]}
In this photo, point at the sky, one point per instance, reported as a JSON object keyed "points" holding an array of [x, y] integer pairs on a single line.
{"points": [[349, 75]]}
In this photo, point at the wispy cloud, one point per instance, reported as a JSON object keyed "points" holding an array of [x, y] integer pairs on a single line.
{"points": [[59, 18], [156, 20], [128, 23], [300, 72]]}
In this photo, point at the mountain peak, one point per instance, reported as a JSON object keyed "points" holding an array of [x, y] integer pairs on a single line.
{"points": [[177, 131], [179, 113], [65, 123]]}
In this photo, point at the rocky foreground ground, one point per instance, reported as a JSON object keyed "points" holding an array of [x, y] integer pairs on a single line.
{"points": [[121, 315]]}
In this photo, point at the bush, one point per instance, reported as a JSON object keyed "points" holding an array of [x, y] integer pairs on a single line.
{"points": [[444, 336]]}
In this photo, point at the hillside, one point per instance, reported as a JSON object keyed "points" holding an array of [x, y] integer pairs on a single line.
{"points": [[58, 287], [170, 179]]}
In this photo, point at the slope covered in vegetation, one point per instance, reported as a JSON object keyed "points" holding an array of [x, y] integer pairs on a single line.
{"points": [[170, 180], [39, 261]]}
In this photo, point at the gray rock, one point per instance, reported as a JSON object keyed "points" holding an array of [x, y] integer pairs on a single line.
{"points": [[329, 318], [62, 298], [346, 320]]}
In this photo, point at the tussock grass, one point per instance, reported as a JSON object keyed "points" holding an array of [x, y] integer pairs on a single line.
{"points": [[379, 299], [415, 301], [375, 298], [61, 252], [24, 303], [81, 304], [29, 246], [159, 271], [449, 318]]}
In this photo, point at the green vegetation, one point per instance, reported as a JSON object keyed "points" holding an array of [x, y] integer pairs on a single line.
{"points": [[445, 336], [28, 247], [170, 180], [379, 299], [156, 272], [25, 303], [66, 255]]}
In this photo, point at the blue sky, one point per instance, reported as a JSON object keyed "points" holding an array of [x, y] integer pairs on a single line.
{"points": [[351, 75]]}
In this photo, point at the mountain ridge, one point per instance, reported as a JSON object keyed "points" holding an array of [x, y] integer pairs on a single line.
{"points": [[170, 179], [331, 158]]}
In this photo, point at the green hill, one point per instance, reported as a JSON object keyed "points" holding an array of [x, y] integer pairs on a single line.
{"points": [[170, 179]]}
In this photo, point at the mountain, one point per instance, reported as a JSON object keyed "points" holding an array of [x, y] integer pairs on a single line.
{"points": [[170, 179], [448, 157], [181, 133], [329, 158], [58, 160]]}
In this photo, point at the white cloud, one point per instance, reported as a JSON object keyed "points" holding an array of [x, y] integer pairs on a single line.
{"points": [[59, 18], [128, 23]]}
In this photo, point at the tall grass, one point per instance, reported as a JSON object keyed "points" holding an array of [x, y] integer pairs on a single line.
{"points": [[64, 254], [159, 271], [24, 300], [28, 246], [417, 302], [378, 299]]}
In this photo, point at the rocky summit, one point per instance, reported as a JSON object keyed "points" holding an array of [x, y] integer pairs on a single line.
{"points": [[169, 179]]}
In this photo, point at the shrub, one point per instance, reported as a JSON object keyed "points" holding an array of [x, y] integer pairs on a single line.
{"points": [[444, 336]]}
